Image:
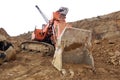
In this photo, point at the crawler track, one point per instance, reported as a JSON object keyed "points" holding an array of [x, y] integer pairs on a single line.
{"points": [[35, 46]]}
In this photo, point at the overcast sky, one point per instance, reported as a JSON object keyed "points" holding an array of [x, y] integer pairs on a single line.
{"points": [[21, 16]]}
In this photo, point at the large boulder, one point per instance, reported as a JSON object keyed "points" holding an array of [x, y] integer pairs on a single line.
{"points": [[7, 51]]}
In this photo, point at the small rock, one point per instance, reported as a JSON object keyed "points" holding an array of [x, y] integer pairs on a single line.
{"points": [[64, 72], [110, 53], [111, 41], [71, 73], [102, 70], [117, 53], [97, 42], [80, 70]]}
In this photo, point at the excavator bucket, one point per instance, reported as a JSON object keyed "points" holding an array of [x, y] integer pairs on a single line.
{"points": [[73, 46]]}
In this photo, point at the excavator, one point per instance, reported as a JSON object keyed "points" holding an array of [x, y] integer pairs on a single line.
{"points": [[65, 44]]}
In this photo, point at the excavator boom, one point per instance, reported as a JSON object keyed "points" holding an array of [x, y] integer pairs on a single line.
{"points": [[43, 15]]}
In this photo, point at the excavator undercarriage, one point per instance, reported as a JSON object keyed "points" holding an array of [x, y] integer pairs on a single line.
{"points": [[35, 46]]}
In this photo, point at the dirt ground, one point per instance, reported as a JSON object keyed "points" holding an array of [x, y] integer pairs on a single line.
{"points": [[32, 66]]}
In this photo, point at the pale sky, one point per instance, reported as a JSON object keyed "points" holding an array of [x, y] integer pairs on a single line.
{"points": [[20, 16]]}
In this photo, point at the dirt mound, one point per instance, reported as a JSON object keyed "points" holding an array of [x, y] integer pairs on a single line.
{"points": [[106, 26], [26, 36], [106, 53], [3, 32]]}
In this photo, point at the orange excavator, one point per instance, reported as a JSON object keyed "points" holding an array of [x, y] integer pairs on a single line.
{"points": [[65, 43], [44, 40]]}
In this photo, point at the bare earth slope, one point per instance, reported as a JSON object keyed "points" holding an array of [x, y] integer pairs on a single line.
{"points": [[106, 52]]}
